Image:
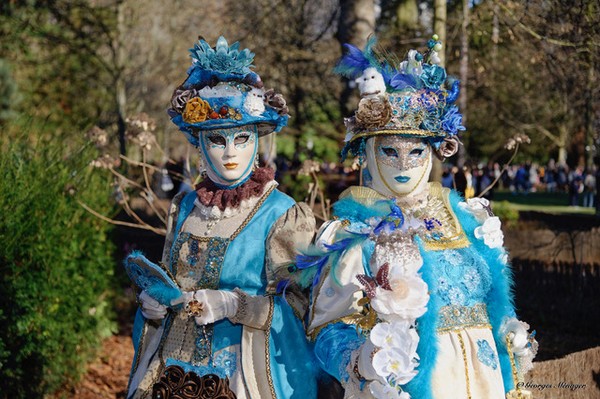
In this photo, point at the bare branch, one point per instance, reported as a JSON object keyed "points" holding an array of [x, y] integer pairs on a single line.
{"points": [[158, 231]]}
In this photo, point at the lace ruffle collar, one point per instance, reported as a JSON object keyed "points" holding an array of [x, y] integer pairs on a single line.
{"points": [[215, 202]]}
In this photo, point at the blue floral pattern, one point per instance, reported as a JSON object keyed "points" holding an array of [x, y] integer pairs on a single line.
{"points": [[461, 276], [486, 354], [226, 361]]}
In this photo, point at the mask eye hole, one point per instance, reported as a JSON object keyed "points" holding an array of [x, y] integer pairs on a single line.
{"points": [[217, 139], [241, 138], [417, 152], [389, 152]]}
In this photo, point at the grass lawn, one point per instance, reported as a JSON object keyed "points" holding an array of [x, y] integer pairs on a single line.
{"points": [[541, 202]]}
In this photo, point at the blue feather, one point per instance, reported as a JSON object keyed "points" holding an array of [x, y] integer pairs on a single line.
{"points": [[401, 81], [453, 92], [282, 287], [349, 208], [307, 261], [340, 245], [353, 63]]}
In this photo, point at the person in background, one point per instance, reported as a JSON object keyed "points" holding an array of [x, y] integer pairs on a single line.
{"points": [[575, 185], [589, 187], [550, 176], [447, 177]]}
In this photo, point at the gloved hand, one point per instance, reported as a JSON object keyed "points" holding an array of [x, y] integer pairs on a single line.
{"points": [[209, 306], [517, 334], [151, 308]]}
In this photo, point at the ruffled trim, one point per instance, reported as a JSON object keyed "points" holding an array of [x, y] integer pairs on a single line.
{"points": [[215, 202]]}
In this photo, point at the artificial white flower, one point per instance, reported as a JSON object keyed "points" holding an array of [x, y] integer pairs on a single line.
{"points": [[397, 355], [479, 207], [434, 58], [383, 390], [407, 299], [491, 232], [388, 335], [396, 363], [411, 66]]}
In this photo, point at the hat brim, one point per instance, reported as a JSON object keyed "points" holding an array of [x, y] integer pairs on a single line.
{"points": [[408, 133]]}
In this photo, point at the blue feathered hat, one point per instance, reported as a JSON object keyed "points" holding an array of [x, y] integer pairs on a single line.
{"points": [[412, 98], [221, 91]]}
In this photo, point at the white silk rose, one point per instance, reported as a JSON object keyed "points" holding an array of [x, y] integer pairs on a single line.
{"points": [[407, 298]]}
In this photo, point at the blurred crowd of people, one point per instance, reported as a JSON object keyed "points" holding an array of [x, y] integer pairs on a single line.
{"points": [[580, 183]]}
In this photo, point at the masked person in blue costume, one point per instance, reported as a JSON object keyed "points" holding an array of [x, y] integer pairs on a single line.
{"points": [[211, 324], [411, 290]]}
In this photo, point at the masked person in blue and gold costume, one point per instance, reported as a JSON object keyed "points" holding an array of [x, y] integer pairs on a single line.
{"points": [[411, 290], [211, 324]]}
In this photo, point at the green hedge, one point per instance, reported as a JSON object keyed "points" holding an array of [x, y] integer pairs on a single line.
{"points": [[55, 265]]}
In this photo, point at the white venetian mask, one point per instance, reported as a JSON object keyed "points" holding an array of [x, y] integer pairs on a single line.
{"points": [[229, 154], [398, 166]]}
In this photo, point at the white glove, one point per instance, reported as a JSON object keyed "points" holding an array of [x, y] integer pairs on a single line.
{"points": [[151, 308], [208, 306], [365, 361], [518, 335]]}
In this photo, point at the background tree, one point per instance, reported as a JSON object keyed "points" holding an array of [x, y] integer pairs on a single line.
{"points": [[531, 73]]}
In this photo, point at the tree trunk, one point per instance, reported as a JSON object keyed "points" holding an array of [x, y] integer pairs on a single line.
{"points": [[464, 74], [119, 79], [356, 23], [439, 28], [407, 14], [563, 135], [589, 110]]}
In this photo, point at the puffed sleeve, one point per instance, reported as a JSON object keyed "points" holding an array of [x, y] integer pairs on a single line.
{"points": [[334, 311], [293, 231], [336, 298]]}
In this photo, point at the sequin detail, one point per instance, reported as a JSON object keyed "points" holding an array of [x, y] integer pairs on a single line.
{"points": [[460, 317], [214, 261], [205, 258], [224, 365], [486, 354], [401, 153]]}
